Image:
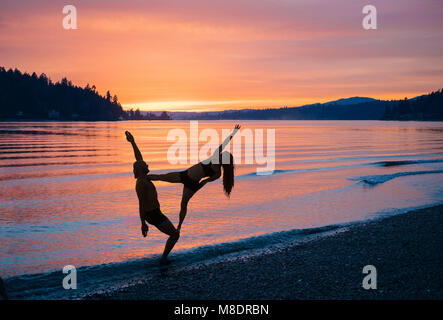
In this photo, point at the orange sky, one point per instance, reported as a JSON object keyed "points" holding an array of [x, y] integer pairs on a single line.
{"points": [[209, 55]]}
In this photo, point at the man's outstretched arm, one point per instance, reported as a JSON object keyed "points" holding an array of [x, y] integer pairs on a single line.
{"points": [[137, 153]]}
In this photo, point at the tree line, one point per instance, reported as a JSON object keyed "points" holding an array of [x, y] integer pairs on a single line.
{"points": [[138, 115], [426, 107], [26, 96]]}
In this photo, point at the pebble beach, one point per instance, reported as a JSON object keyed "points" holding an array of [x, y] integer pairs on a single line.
{"points": [[406, 250]]}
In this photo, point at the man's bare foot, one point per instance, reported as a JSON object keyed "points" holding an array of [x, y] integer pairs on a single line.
{"points": [[164, 261]]}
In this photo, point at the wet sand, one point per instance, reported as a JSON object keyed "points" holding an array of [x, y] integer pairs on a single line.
{"points": [[407, 251]]}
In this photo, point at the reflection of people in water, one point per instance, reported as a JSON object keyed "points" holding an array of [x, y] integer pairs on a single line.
{"points": [[209, 169], [148, 202], [3, 290]]}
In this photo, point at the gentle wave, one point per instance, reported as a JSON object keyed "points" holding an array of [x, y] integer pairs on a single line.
{"points": [[42, 164], [405, 162], [380, 163], [58, 156], [38, 132], [382, 178], [278, 172]]}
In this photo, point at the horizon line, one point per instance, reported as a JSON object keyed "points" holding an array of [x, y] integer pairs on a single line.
{"points": [[206, 105]]}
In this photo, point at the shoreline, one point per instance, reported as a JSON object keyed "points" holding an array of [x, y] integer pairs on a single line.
{"points": [[406, 249]]}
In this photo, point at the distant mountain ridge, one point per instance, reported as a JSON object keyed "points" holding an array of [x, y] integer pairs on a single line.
{"points": [[183, 115], [350, 101], [424, 107]]}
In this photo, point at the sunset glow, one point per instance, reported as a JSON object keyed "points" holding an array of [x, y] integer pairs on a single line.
{"points": [[212, 55]]}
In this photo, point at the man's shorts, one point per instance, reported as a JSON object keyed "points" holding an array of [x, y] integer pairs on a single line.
{"points": [[155, 217]]}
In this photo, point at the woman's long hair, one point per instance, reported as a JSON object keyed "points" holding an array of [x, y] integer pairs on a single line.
{"points": [[228, 172]]}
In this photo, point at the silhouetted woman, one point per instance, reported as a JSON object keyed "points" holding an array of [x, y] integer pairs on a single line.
{"points": [[209, 169]]}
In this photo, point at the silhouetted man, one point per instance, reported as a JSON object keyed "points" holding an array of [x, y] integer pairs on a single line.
{"points": [[148, 202]]}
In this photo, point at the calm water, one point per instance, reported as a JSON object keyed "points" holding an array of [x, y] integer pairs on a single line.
{"points": [[67, 190]]}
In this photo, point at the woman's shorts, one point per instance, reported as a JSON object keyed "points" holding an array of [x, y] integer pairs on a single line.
{"points": [[188, 182]]}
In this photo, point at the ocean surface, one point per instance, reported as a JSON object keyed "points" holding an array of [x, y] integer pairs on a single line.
{"points": [[67, 194]]}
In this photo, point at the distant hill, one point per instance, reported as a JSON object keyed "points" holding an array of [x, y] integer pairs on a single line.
{"points": [[350, 101], [425, 107], [355, 108]]}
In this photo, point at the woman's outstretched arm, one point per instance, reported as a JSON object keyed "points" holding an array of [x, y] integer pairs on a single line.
{"points": [[137, 153], [227, 140]]}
